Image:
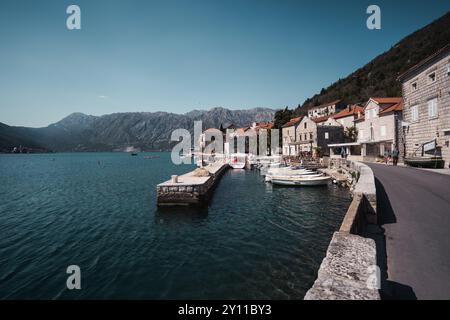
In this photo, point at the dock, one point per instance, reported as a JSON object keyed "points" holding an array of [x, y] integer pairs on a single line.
{"points": [[193, 188], [339, 177]]}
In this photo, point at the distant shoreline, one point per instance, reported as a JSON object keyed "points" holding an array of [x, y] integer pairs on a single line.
{"points": [[85, 151]]}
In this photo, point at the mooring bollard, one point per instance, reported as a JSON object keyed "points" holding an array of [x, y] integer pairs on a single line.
{"points": [[174, 179]]}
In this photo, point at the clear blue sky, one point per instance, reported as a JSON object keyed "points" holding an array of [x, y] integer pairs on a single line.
{"points": [[188, 54]]}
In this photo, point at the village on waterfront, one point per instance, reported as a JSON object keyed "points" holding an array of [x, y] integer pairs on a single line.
{"points": [[331, 143], [411, 130], [157, 195]]}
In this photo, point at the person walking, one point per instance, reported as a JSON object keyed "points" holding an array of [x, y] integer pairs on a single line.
{"points": [[386, 157], [395, 154]]}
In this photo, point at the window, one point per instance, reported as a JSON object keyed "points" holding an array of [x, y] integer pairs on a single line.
{"points": [[432, 77], [306, 124], [414, 113], [383, 131], [310, 136], [326, 136], [448, 69], [432, 108], [414, 86]]}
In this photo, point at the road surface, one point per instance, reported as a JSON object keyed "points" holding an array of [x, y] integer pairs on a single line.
{"points": [[414, 210]]}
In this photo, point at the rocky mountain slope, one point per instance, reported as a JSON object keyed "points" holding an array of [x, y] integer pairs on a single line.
{"points": [[143, 130], [378, 78]]}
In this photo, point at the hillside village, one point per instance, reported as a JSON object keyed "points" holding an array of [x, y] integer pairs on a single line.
{"points": [[414, 128]]}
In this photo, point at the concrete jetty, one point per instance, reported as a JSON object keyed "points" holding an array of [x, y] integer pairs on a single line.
{"points": [[192, 188]]}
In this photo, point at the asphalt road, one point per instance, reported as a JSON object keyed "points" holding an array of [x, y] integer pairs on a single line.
{"points": [[414, 210]]}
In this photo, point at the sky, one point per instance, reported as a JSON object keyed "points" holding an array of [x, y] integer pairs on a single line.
{"points": [[177, 56]]}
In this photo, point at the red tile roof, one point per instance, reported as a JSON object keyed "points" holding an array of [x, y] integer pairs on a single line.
{"points": [[266, 125], [320, 119], [394, 107], [349, 111], [389, 104], [241, 130], [387, 100], [293, 122]]}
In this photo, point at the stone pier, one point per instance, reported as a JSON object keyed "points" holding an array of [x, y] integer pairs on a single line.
{"points": [[193, 188]]}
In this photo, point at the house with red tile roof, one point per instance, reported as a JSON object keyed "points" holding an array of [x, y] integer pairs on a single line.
{"points": [[347, 116], [378, 129], [326, 109], [378, 126]]}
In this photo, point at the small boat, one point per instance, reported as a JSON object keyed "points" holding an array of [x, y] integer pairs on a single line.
{"points": [[270, 177], [301, 181], [134, 154], [238, 161], [287, 170], [425, 162]]}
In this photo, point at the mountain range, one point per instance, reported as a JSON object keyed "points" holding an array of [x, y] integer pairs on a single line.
{"points": [[151, 131], [146, 131]]}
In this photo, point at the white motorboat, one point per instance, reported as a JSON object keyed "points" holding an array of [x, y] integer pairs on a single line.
{"points": [[237, 161], [286, 171], [301, 181], [270, 177]]}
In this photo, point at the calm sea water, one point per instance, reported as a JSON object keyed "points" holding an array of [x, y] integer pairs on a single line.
{"points": [[97, 211]]}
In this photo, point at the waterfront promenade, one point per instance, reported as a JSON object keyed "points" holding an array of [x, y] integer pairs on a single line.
{"points": [[414, 211]]}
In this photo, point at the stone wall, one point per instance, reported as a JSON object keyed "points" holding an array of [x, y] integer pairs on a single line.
{"points": [[418, 89], [349, 270], [193, 192]]}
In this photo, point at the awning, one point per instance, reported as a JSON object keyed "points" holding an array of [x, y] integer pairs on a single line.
{"points": [[375, 141], [350, 144]]}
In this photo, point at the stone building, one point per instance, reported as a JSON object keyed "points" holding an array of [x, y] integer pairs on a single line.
{"points": [[378, 128], [326, 109], [312, 134], [426, 93], [288, 137]]}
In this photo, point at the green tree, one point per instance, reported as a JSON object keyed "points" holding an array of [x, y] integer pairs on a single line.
{"points": [[282, 117], [351, 134]]}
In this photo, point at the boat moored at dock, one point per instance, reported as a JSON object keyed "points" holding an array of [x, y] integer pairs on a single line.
{"points": [[318, 180], [238, 161]]}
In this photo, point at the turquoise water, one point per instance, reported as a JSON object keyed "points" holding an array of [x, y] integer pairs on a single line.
{"points": [[98, 211]]}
